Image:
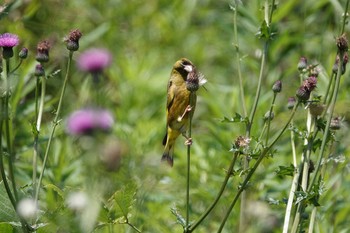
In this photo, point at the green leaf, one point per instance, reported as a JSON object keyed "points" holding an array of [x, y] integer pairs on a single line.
{"points": [[125, 198], [179, 218], [6, 227], [7, 212], [263, 32], [235, 119], [285, 171]]}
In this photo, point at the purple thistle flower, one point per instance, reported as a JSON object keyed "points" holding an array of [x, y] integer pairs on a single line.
{"points": [[8, 40], [94, 60], [86, 121]]}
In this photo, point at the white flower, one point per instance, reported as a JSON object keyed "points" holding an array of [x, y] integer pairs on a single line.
{"points": [[27, 208], [77, 201]]}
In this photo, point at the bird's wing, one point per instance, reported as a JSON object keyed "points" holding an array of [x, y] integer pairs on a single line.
{"points": [[170, 101], [170, 97]]}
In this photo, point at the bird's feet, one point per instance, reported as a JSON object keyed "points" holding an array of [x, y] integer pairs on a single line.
{"points": [[188, 142], [187, 109]]}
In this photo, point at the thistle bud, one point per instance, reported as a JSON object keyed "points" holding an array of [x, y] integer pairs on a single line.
{"points": [[345, 61], [303, 94], [291, 102], [302, 64], [39, 70], [23, 53], [277, 86], [336, 65], [269, 116]]}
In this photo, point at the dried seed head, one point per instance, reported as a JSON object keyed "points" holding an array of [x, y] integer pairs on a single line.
{"points": [[242, 141], [335, 123], [43, 49], [72, 40], [342, 43], [316, 109]]}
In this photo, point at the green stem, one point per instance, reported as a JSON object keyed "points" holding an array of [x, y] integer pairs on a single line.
{"points": [[211, 207], [257, 163], [305, 165], [36, 138], [269, 119], [312, 219], [19, 64], [328, 88], [236, 45], [55, 123], [252, 114], [294, 184], [2, 167], [8, 129], [39, 114], [192, 99], [133, 227]]}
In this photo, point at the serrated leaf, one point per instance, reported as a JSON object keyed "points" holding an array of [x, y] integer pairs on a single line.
{"points": [[7, 212], [179, 218], [235, 119], [125, 198], [272, 201], [285, 171], [56, 189]]}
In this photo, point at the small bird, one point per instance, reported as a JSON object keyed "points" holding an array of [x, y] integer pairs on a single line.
{"points": [[178, 108]]}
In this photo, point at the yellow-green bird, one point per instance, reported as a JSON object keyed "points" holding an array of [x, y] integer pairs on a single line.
{"points": [[178, 108]]}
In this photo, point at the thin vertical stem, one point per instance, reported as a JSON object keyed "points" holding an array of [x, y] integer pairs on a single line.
{"points": [[55, 123], [191, 101], [294, 184], [223, 186], [8, 124], [269, 119], [238, 59], [38, 115]]}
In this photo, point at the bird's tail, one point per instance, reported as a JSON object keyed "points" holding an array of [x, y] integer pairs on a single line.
{"points": [[168, 154]]}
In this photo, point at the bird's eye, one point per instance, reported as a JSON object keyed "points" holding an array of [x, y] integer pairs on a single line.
{"points": [[185, 63]]}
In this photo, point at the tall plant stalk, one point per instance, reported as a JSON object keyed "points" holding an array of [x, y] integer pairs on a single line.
{"points": [[55, 123]]}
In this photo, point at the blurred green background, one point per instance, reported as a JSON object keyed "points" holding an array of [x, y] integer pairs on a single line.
{"points": [[146, 38]]}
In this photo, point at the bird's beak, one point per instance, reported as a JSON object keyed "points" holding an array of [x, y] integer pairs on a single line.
{"points": [[188, 68]]}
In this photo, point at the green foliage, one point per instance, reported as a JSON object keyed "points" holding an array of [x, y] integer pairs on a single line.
{"points": [[7, 213]]}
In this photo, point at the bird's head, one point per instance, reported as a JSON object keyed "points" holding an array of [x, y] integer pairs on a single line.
{"points": [[183, 66]]}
